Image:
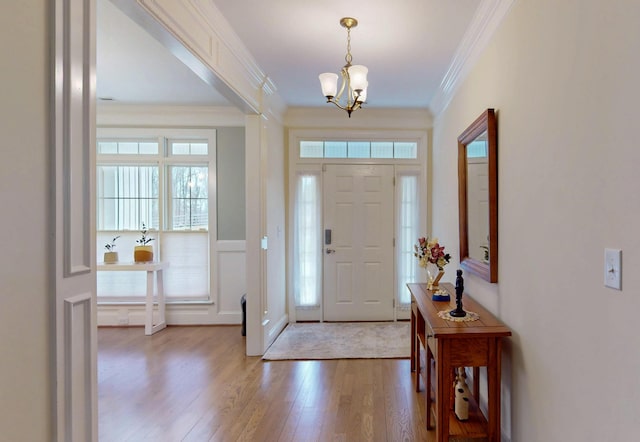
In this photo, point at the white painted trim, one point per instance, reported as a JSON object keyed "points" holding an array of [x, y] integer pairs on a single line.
{"points": [[72, 253], [74, 112], [119, 315], [275, 331], [228, 245], [221, 28], [198, 34], [222, 298], [186, 313], [255, 257], [121, 115], [79, 366], [486, 20], [325, 118]]}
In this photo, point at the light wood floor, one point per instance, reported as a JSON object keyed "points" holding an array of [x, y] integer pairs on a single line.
{"points": [[196, 384]]}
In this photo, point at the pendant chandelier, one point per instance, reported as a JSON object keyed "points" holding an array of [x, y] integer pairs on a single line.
{"points": [[354, 78]]}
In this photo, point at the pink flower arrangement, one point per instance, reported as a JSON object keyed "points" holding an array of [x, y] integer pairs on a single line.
{"points": [[430, 251]]}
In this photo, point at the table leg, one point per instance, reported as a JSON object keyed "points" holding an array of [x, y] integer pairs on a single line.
{"points": [[493, 390], [413, 340], [161, 302], [444, 381], [148, 325], [416, 342], [149, 328], [428, 387], [476, 382]]}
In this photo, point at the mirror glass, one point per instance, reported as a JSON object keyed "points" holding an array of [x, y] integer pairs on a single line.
{"points": [[477, 192], [478, 198]]}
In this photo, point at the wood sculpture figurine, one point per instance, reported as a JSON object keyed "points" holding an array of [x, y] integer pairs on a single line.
{"points": [[458, 312]]}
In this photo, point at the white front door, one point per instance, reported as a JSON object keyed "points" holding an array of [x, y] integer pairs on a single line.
{"points": [[358, 258]]}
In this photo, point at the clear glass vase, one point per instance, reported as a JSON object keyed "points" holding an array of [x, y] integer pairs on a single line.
{"points": [[433, 276]]}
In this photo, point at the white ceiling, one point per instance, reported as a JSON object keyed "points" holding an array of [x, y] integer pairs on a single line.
{"points": [[407, 45]]}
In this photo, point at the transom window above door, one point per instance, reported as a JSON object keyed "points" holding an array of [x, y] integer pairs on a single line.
{"points": [[359, 149]]}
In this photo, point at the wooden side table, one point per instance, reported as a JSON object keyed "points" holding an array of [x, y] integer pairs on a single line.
{"points": [[449, 345], [150, 267]]}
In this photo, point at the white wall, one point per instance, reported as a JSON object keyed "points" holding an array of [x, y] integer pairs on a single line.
{"points": [[276, 302], [266, 297], [25, 293], [563, 77]]}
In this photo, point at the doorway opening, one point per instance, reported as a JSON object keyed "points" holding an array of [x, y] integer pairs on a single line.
{"points": [[354, 215]]}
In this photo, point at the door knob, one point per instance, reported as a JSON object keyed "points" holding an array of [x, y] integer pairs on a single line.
{"points": [[329, 251]]}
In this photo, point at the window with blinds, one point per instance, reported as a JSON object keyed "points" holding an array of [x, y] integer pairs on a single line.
{"points": [[163, 182]]}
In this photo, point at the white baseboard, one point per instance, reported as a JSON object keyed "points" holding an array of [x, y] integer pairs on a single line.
{"points": [[277, 328], [181, 314]]}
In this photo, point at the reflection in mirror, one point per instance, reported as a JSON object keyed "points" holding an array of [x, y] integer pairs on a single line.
{"points": [[478, 198], [477, 194]]}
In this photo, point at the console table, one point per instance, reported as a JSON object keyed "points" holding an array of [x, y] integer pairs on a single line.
{"points": [[150, 267], [449, 345]]}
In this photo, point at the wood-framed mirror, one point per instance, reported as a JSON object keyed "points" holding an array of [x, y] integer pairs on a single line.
{"points": [[478, 197]]}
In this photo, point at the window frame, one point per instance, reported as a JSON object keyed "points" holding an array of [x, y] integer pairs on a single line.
{"points": [[163, 160]]}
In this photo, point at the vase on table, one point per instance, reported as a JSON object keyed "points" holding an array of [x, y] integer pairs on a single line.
{"points": [[110, 257], [143, 253], [434, 274]]}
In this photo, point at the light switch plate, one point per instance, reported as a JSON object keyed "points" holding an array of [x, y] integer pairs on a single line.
{"points": [[613, 268]]}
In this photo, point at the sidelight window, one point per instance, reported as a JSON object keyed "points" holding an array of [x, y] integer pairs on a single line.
{"points": [[307, 243]]}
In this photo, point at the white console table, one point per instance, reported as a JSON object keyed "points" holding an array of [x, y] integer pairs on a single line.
{"points": [[150, 267]]}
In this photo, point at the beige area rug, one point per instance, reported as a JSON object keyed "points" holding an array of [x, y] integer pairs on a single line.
{"points": [[342, 340]]}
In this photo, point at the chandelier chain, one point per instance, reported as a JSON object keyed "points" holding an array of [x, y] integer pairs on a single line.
{"points": [[348, 57]]}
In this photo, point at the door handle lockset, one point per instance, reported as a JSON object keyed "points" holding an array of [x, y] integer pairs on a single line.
{"points": [[329, 251]]}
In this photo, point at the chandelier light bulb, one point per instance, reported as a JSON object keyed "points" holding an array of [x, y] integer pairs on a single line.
{"points": [[362, 98], [358, 77], [329, 83]]}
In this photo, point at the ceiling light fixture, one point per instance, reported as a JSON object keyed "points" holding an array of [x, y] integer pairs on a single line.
{"points": [[354, 78]]}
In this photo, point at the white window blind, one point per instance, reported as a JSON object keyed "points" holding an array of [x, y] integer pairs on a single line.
{"points": [[188, 255], [307, 247], [127, 196]]}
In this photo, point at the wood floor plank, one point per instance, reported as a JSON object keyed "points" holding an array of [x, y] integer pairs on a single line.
{"points": [[196, 384]]}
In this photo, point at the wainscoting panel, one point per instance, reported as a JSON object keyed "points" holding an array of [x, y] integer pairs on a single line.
{"points": [[78, 367], [72, 258], [231, 276], [229, 284]]}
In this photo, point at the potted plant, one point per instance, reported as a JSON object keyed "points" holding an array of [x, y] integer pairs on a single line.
{"points": [[143, 252], [111, 256]]}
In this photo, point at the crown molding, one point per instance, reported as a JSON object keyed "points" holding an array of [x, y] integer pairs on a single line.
{"points": [[383, 119], [485, 21], [221, 28]]}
